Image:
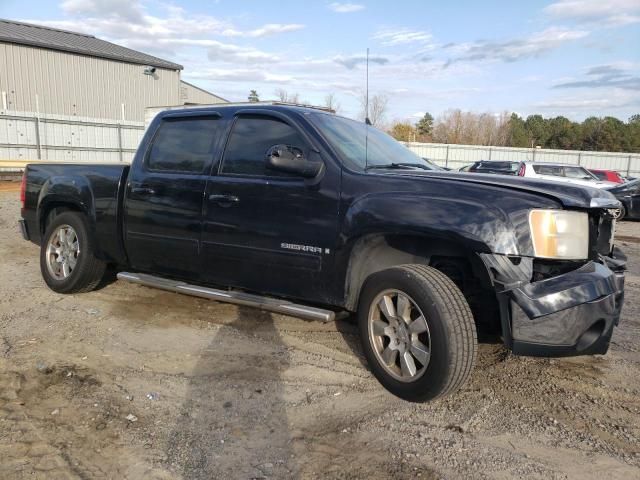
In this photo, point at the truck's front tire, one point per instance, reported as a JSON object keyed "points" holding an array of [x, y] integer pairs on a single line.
{"points": [[417, 332], [67, 259]]}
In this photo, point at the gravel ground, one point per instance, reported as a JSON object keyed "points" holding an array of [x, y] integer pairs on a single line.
{"points": [[131, 382]]}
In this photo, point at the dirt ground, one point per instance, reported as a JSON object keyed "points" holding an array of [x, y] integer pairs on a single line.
{"points": [[131, 382]]}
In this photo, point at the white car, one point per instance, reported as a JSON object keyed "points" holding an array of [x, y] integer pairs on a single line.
{"points": [[562, 173]]}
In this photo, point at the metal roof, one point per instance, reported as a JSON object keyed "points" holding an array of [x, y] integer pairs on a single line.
{"points": [[73, 42]]}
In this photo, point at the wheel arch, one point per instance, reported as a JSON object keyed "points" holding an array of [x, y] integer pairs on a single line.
{"points": [[54, 208], [375, 252]]}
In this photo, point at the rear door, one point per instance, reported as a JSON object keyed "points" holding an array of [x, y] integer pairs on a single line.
{"points": [[266, 230], [163, 203]]}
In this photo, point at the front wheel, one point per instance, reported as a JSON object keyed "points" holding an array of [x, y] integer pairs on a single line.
{"points": [[417, 332], [67, 259]]}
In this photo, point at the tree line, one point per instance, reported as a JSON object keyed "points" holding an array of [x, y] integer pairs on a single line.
{"points": [[504, 129], [510, 130]]}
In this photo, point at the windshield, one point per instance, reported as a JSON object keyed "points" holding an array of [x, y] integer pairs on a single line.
{"points": [[579, 173], [349, 139]]}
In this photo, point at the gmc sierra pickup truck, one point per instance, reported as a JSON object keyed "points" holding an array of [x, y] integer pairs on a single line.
{"points": [[299, 211]]}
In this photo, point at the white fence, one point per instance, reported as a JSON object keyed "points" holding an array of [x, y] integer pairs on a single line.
{"points": [[456, 156], [29, 136]]}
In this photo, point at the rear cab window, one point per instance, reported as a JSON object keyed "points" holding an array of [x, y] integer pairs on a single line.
{"points": [[184, 145]]}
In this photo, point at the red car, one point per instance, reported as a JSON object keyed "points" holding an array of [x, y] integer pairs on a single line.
{"points": [[607, 175]]}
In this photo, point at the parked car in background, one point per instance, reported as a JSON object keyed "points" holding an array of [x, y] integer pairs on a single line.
{"points": [[607, 175], [493, 166], [629, 195], [574, 174]]}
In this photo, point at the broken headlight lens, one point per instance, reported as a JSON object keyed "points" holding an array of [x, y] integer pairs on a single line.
{"points": [[559, 234]]}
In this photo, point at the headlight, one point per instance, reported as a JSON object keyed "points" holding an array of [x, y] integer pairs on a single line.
{"points": [[559, 234]]}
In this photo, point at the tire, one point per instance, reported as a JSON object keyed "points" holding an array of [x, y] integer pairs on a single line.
{"points": [[623, 212], [450, 335], [84, 271]]}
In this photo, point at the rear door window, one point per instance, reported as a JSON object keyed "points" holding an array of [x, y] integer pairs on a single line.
{"points": [[251, 138], [184, 145]]}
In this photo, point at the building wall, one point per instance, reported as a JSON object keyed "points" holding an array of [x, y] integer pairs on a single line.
{"points": [[77, 85], [190, 94]]}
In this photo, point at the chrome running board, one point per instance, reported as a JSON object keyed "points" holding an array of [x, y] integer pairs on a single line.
{"points": [[231, 296]]}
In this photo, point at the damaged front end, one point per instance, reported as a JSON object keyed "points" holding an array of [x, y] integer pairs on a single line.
{"points": [[552, 307]]}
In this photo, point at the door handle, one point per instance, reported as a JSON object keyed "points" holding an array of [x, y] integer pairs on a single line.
{"points": [[143, 190], [224, 200]]}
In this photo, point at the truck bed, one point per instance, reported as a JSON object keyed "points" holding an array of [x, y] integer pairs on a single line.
{"points": [[97, 189]]}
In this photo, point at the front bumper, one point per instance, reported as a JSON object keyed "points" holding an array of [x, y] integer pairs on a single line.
{"points": [[566, 315]]}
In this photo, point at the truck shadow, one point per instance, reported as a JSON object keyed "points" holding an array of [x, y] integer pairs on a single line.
{"points": [[233, 421]]}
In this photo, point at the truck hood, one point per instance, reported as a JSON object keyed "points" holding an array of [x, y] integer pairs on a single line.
{"points": [[568, 195]]}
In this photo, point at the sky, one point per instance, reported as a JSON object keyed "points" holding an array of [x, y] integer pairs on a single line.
{"points": [[575, 58]]}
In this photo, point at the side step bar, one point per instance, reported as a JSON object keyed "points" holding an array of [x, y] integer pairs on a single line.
{"points": [[236, 297]]}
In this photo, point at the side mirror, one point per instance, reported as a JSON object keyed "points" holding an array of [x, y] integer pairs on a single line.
{"points": [[285, 158]]}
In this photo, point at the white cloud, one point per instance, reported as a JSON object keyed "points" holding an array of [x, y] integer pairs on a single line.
{"points": [[339, 7], [241, 75], [224, 52], [602, 12], [353, 61], [127, 23], [265, 30], [517, 48], [127, 9], [620, 75], [402, 36], [594, 104]]}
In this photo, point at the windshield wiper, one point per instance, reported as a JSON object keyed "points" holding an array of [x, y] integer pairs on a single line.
{"points": [[398, 166]]}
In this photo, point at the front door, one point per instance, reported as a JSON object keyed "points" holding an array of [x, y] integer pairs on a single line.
{"points": [[163, 203], [266, 230]]}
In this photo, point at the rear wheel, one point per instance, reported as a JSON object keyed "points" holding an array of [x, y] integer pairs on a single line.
{"points": [[67, 259], [417, 332]]}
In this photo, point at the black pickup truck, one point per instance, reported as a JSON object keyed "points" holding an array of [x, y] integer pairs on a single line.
{"points": [[302, 212]]}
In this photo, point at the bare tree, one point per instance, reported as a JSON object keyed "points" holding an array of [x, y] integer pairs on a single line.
{"points": [[331, 102], [456, 126], [378, 106], [285, 96], [378, 109]]}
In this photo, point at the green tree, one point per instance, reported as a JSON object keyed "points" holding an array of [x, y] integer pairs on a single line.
{"points": [[633, 133], [253, 96], [562, 133], [590, 133], [424, 126], [538, 130], [517, 132], [403, 131]]}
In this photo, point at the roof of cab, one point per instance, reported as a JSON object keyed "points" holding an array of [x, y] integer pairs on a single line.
{"points": [[233, 107]]}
